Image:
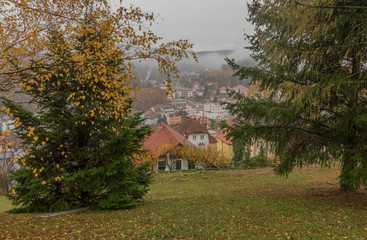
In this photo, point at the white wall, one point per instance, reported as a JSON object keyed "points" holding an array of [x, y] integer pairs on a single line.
{"points": [[184, 165], [198, 140]]}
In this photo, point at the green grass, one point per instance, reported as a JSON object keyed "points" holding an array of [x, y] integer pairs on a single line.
{"points": [[238, 204], [4, 204]]}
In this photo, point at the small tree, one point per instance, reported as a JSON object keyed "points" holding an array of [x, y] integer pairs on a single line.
{"points": [[76, 155], [208, 158]]}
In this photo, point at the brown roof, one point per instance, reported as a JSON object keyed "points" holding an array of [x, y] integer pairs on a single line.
{"points": [[223, 138], [212, 139], [192, 126], [165, 136]]}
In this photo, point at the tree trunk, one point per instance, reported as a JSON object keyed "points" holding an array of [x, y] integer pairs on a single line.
{"points": [[84, 196], [348, 181]]}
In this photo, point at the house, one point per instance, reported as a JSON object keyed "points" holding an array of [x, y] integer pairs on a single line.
{"points": [[240, 89], [211, 96], [214, 110], [151, 118], [173, 119], [223, 90], [163, 108], [199, 93], [162, 137], [192, 130], [197, 89], [193, 112], [178, 103], [222, 98], [196, 86], [205, 122], [224, 145], [184, 93]]}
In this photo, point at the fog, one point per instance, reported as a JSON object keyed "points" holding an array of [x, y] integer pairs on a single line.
{"points": [[211, 25]]}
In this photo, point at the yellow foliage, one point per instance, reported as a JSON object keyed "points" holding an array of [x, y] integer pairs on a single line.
{"points": [[120, 35], [207, 158]]}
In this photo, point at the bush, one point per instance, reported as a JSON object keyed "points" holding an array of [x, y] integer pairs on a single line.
{"points": [[257, 161]]}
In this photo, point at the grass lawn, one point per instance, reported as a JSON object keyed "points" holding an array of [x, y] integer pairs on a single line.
{"points": [[236, 204]]}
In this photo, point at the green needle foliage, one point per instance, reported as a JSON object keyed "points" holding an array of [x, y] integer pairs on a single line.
{"points": [[312, 59], [75, 158]]}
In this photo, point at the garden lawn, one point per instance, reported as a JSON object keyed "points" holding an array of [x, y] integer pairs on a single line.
{"points": [[226, 204]]}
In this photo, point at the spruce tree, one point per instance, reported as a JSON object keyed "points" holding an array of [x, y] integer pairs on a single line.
{"points": [[80, 145], [311, 57]]}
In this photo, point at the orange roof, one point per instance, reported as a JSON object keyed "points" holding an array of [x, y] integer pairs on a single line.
{"points": [[223, 138], [166, 136]]}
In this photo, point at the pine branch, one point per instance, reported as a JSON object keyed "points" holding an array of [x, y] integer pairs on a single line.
{"points": [[329, 7]]}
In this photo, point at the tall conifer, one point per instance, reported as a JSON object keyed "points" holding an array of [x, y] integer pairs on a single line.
{"points": [[312, 57]]}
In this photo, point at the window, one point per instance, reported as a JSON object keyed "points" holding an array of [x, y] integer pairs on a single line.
{"points": [[202, 137], [193, 137]]}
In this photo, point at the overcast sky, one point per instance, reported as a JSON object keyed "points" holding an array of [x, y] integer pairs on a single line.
{"points": [[209, 24]]}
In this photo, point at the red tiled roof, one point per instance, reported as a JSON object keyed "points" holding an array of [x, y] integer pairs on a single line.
{"points": [[223, 138], [166, 136], [241, 87]]}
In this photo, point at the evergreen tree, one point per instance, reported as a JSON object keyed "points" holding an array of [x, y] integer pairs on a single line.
{"points": [[79, 146], [311, 56], [238, 150]]}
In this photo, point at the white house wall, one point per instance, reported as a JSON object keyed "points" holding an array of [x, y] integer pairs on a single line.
{"points": [[197, 139], [184, 165]]}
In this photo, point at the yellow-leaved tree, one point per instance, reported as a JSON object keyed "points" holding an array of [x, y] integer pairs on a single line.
{"points": [[74, 61], [122, 33], [195, 157]]}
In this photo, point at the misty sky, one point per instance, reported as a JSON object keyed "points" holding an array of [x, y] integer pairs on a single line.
{"points": [[209, 24]]}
